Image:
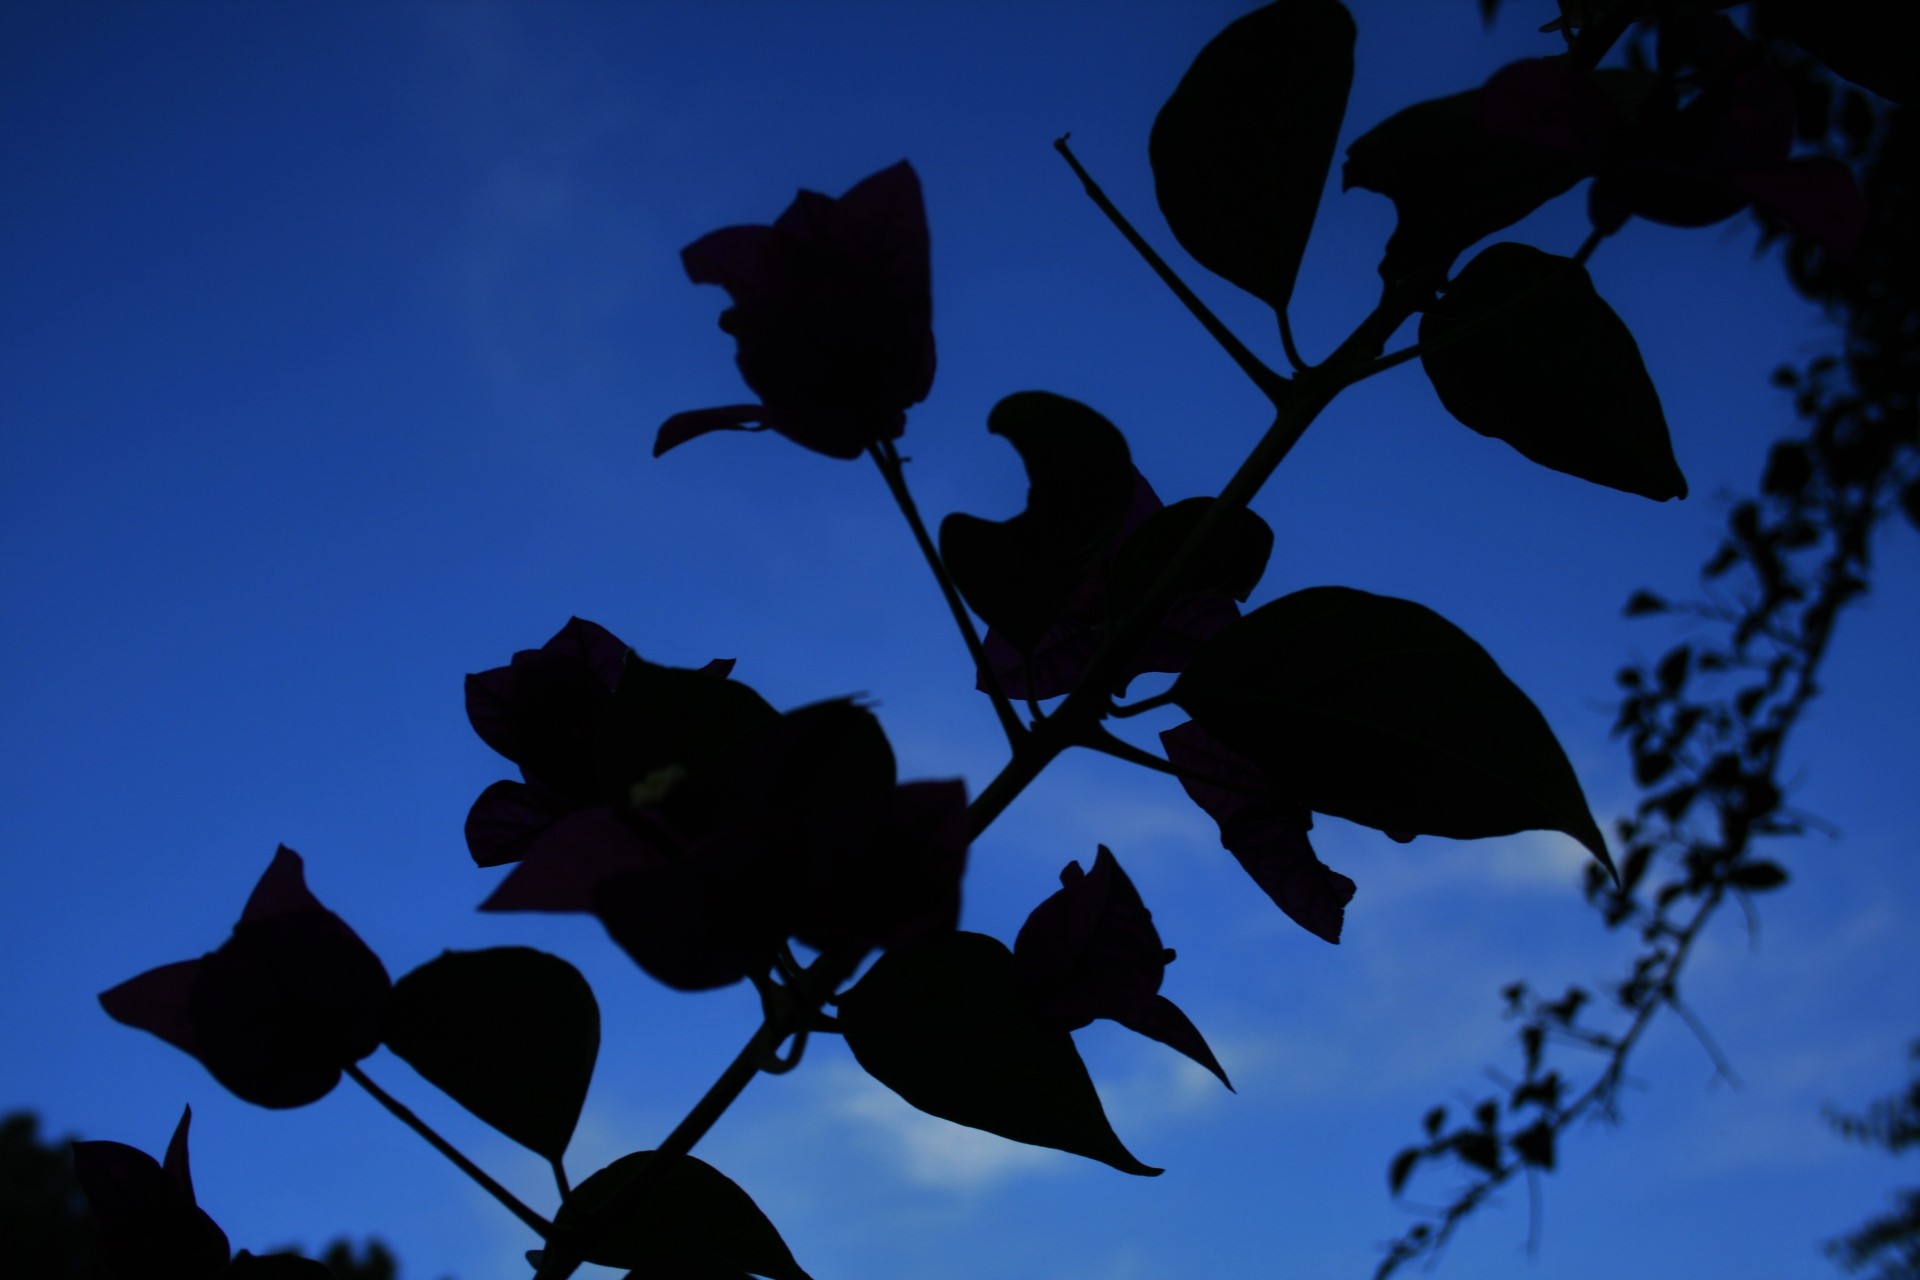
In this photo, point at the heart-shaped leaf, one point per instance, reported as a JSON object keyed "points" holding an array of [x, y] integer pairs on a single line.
{"points": [[1451, 179], [1382, 712], [1522, 349], [1241, 150], [509, 1033], [945, 1024], [1019, 574], [692, 1220], [1229, 565]]}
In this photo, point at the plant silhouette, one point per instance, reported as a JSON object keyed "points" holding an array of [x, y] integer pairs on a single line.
{"points": [[719, 839]]}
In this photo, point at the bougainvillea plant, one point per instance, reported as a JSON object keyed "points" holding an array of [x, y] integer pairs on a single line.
{"points": [[719, 839]]}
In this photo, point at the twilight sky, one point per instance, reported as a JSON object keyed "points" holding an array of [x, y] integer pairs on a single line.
{"points": [[332, 342]]}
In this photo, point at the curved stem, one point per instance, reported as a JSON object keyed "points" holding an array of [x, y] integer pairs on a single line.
{"points": [[887, 458], [817, 982], [1266, 379], [406, 1116]]}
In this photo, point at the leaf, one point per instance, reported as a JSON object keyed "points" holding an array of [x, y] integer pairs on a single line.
{"points": [[1402, 1168], [509, 1033], [944, 1024], [1019, 574], [692, 1216], [1757, 876], [1534, 1145], [1382, 712], [1522, 349], [1241, 150], [1452, 180], [1229, 565], [1857, 39]]}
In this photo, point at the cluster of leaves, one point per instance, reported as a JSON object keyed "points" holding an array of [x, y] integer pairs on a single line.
{"points": [[1707, 723], [716, 838], [1888, 1242]]}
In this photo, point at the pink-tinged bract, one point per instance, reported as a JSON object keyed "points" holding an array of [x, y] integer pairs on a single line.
{"points": [[832, 313], [278, 1010]]}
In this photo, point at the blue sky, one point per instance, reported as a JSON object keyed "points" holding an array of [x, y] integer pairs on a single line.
{"points": [[332, 341]]}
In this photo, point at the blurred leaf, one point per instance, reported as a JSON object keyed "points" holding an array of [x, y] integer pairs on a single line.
{"points": [[1757, 876], [509, 1033], [944, 1023], [1534, 1145], [1859, 40], [1452, 180], [693, 1219], [1018, 574], [1382, 712], [1644, 602], [1522, 349], [1241, 150], [1402, 1168], [1230, 565]]}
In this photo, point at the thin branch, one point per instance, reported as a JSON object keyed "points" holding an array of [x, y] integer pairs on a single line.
{"points": [[1269, 382], [887, 458], [1286, 344], [406, 1116], [1143, 706]]}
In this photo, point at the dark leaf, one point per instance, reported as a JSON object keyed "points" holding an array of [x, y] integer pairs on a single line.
{"points": [[1452, 180], [945, 1024], [1230, 565], [1382, 712], [1481, 1150], [1860, 40], [1019, 574], [1757, 876], [509, 1033], [1161, 1019], [1644, 602], [1402, 1168], [1241, 150], [144, 1215], [1522, 349], [1266, 835], [692, 1215], [1534, 1145]]}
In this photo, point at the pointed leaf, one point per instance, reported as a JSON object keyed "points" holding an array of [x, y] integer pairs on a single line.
{"points": [[944, 1024], [1019, 574], [1229, 565], [1522, 349], [1161, 1019], [1382, 712], [692, 1219], [1241, 150], [509, 1033], [1452, 180]]}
